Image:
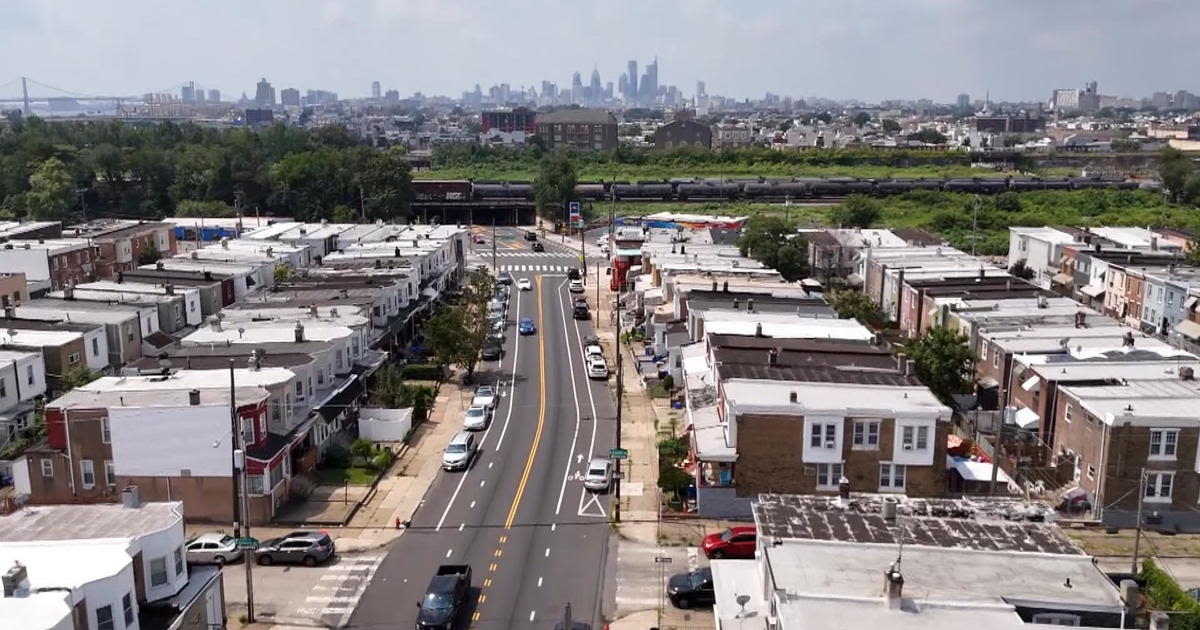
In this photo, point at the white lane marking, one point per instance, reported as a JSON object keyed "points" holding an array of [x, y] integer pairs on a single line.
{"points": [[462, 527], [490, 464], [482, 482], [547, 552], [595, 419], [532, 614], [330, 578], [472, 505], [562, 311], [539, 582], [487, 432], [553, 526], [595, 498], [448, 552]]}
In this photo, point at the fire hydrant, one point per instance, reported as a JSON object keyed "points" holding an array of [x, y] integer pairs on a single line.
{"points": [[397, 522]]}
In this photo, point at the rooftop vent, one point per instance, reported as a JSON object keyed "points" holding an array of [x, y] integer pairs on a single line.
{"points": [[130, 497]]}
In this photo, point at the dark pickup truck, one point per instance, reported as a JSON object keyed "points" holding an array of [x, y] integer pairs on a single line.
{"points": [[445, 597]]}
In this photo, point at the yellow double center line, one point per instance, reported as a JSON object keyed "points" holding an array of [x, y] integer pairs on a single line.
{"points": [[537, 436]]}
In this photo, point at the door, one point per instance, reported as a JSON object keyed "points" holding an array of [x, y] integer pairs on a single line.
{"points": [[293, 550], [706, 594], [743, 546]]}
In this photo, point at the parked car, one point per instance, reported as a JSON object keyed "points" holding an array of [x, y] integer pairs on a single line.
{"points": [[596, 367], [592, 349], [480, 239], [530, 236], [505, 278], [525, 284], [579, 309], [734, 542], [573, 274], [692, 589], [599, 474], [476, 418], [444, 598], [307, 548], [526, 327], [459, 452], [212, 548], [491, 351], [485, 395], [575, 285], [538, 247]]}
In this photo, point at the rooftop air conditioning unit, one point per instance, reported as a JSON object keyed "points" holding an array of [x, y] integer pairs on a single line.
{"points": [[829, 443]]}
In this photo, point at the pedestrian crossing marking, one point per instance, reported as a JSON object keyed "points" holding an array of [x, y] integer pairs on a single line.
{"points": [[543, 268]]}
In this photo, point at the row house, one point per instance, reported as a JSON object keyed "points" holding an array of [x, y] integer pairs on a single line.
{"points": [[22, 385], [925, 302], [50, 264], [1044, 250], [124, 245], [244, 278], [834, 253], [125, 325], [173, 310], [214, 292]]}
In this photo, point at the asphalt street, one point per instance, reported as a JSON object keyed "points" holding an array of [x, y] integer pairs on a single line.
{"points": [[535, 538]]}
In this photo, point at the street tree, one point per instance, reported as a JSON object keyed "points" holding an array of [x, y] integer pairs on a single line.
{"points": [[773, 242], [890, 125], [77, 375], [554, 185], [51, 194], [928, 136], [1174, 168], [944, 361], [857, 305], [857, 211], [456, 334], [860, 119]]}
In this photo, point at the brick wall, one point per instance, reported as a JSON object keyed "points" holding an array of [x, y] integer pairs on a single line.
{"points": [[1129, 453]]}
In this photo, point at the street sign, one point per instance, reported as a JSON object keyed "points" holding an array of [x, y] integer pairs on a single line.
{"points": [[663, 560], [575, 214], [246, 543], [618, 453]]}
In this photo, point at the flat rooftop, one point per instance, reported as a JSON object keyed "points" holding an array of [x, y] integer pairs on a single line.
{"points": [[103, 397], [847, 399], [1163, 402], [787, 326], [192, 379], [255, 332], [101, 520], [987, 525], [87, 312]]}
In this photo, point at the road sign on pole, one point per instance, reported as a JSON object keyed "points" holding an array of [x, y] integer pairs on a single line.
{"points": [[618, 453], [575, 214], [663, 559], [246, 543]]}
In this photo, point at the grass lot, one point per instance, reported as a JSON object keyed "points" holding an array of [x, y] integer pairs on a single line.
{"points": [[1098, 543], [355, 475]]}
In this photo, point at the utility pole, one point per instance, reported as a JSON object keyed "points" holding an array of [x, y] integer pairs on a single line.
{"points": [[996, 450], [1137, 537], [620, 364], [494, 267], [362, 204], [240, 499]]}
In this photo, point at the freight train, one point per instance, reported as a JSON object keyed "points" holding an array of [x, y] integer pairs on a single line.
{"points": [[758, 189]]}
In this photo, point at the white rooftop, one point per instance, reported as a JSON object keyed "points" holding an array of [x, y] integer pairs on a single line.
{"points": [[87, 312], [786, 326], [95, 521], [191, 379], [25, 337], [844, 399], [1162, 403], [1045, 233], [58, 565], [255, 332]]}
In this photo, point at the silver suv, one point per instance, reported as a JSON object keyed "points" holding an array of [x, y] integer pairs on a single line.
{"points": [[307, 548], [459, 452]]}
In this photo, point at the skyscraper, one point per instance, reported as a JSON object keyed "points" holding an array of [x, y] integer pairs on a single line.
{"points": [[188, 93], [376, 90], [264, 94], [595, 88], [648, 89], [289, 97], [576, 88], [700, 93], [631, 80], [214, 96], [963, 103], [199, 96]]}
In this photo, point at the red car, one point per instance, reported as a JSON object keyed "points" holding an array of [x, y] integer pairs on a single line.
{"points": [[735, 542]]}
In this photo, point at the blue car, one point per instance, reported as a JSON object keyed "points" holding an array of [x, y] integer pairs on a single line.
{"points": [[526, 326]]}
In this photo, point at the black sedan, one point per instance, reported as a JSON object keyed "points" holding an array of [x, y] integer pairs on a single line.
{"points": [[691, 589]]}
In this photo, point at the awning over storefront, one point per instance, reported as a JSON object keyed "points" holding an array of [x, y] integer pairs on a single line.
{"points": [[1093, 290], [1188, 329], [1026, 418]]}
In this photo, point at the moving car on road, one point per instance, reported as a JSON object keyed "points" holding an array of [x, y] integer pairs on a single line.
{"points": [[212, 549], [485, 395], [480, 239], [538, 247], [307, 548], [734, 542], [526, 326], [525, 284], [575, 285], [504, 278], [444, 597], [476, 418], [596, 367], [530, 236], [459, 452], [599, 474], [692, 589]]}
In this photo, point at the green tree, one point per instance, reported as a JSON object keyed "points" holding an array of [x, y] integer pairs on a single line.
{"points": [[1191, 190], [944, 361], [773, 242], [1174, 168], [860, 119], [856, 305], [77, 375], [928, 136], [455, 335], [283, 273], [385, 185], [553, 186], [890, 125], [387, 388], [51, 194], [206, 209], [857, 211], [149, 255]]}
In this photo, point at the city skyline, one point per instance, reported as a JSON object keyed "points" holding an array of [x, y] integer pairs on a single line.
{"points": [[342, 47]]}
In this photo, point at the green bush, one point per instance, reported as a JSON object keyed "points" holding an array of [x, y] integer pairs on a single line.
{"points": [[382, 459], [672, 449], [421, 372], [1166, 594]]}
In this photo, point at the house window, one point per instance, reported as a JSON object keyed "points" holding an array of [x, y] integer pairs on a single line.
{"points": [[1158, 486], [891, 476], [1091, 471], [73, 358], [824, 435], [866, 434], [105, 434], [996, 357], [1057, 619], [158, 571], [95, 346], [29, 374], [299, 390], [248, 430], [1163, 443], [110, 474], [1067, 412], [179, 566], [828, 475], [914, 437], [104, 618], [127, 603], [47, 467], [88, 470]]}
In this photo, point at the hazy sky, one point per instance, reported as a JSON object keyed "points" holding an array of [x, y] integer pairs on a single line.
{"points": [[865, 49]]}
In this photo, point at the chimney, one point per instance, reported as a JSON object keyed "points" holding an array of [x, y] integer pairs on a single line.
{"points": [[1130, 595], [1186, 373], [120, 277], [843, 489], [901, 359], [750, 305], [158, 265], [130, 497], [758, 330], [194, 397], [225, 242], [726, 286], [10, 312], [910, 368], [772, 357], [1128, 340], [208, 276], [312, 311], [1154, 243], [1042, 302], [1160, 620], [299, 332], [16, 581], [169, 288], [890, 505], [214, 323], [345, 293], [714, 286], [893, 584], [69, 291]]}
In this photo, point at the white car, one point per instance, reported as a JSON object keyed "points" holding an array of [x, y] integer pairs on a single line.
{"points": [[476, 418], [212, 549], [575, 286], [525, 284], [596, 367], [459, 452], [604, 248], [485, 396], [599, 474], [593, 350]]}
